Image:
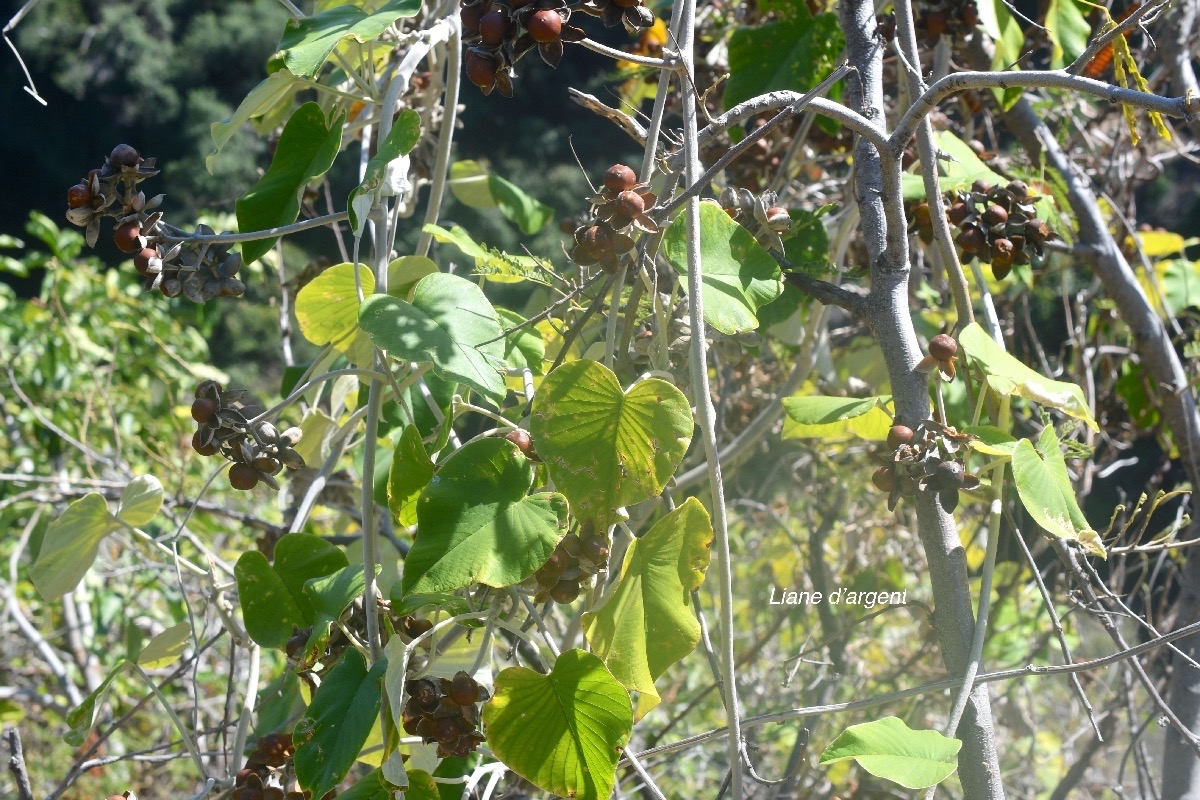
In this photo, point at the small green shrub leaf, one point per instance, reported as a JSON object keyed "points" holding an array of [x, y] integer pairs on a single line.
{"points": [[605, 447], [140, 501], [410, 472], [889, 749], [563, 732], [308, 42], [473, 186], [272, 597], [166, 648]]}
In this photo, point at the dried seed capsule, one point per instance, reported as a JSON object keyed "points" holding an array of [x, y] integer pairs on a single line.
{"points": [[79, 196], [204, 449], [481, 70], [958, 212], [619, 177], [898, 435], [884, 480], [470, 17], [565, 591], [141, 262], [994, 215], [203, 409], [629, 204], [125, 237], [493, 27], [971, 240], [1037, 231], [243, 477], [520, 437], [463, 689], [124, 156], [545, 26], [943, 347]]}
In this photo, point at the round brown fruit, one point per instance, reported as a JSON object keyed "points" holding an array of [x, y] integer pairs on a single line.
{"points": [[141, 262], [470, 16], [1002, 252], [943, 347], [884, 480], [958, 212], [79, 196], [203, 409], [125, 237], [124, 156], [481, 70], [565, 591], [203, 449], [545, 26], [243, 477], [1037, 231], [898, 435], [994, 215], [520, 437], [463, 689], [971, 240], [493, 27], [619, 178], [445, 730], [629, 203]]}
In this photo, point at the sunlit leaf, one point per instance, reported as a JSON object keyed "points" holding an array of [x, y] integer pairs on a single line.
{"points": [[401, 139], [410, 472], [166, 648], [140, 501], [308, 42], [70, 545], [887, 748], [1044, 486]]}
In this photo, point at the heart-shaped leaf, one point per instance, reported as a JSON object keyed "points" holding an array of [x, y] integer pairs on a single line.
{"points": [[475, 523], [738, 275], [344, 710], [140, 501], [563, 732], [307, 42], [606, 448], [272, 597], [647, 622], [450, 324], [305, 151], [70, 545], [889, 749], [1044, 486], [1006, 375]]}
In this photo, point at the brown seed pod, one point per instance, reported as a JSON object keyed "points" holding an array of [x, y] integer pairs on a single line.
{"points": [[898, 435], [971, 240], [884, 479], [204, 449], [1037, 231], [481, 70], [124, 156], [545, 26], [202, 409], [141, 261], [243, 477], [125, 237], [520, 437], [958, 212], [994, 215], [79, 196], [619, 178], [493, 27], [565, 591], [943, 347]]}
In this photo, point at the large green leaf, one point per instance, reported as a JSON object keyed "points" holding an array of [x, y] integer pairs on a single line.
{"points": [[261, 99], [140, 501], [1067, 30], [450, 324], [563, 732], [607, 448], [1044, 486], [738, 274], [307, 42], [793, 53], [372, 786], [401, 139], [523, 348], [272, 597], [474, 186], [1006, 375], [343, 711], [647, 622], [327, 306], [305, 151], [70, 545], [410, 472], [475, 523], [889, 749]]}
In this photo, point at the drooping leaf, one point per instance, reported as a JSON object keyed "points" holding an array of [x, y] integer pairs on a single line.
{"points": [[738, 277], [411, 472], [475, 523], [489, 262], [450, 324], [263, 97], [70, 545], [1067, 30], [1006, 375], [789, 54], [140, 501], [166, 647], [401, 139], [563, 732], [889, 749], [647, 622], [341, 716], [1044, 486], [604, 447], [825, 417], [475, 187], [306, 149], [308, 42], [81, 718], [272, 597]]}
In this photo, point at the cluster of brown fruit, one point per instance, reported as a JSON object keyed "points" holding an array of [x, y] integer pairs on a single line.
{"points": [[446, 712], [499, 34], [997, 224], [761, 215], [265, 775], [575, 561], [621, 205], [227, 425], [954, 18], [197, 270]]}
